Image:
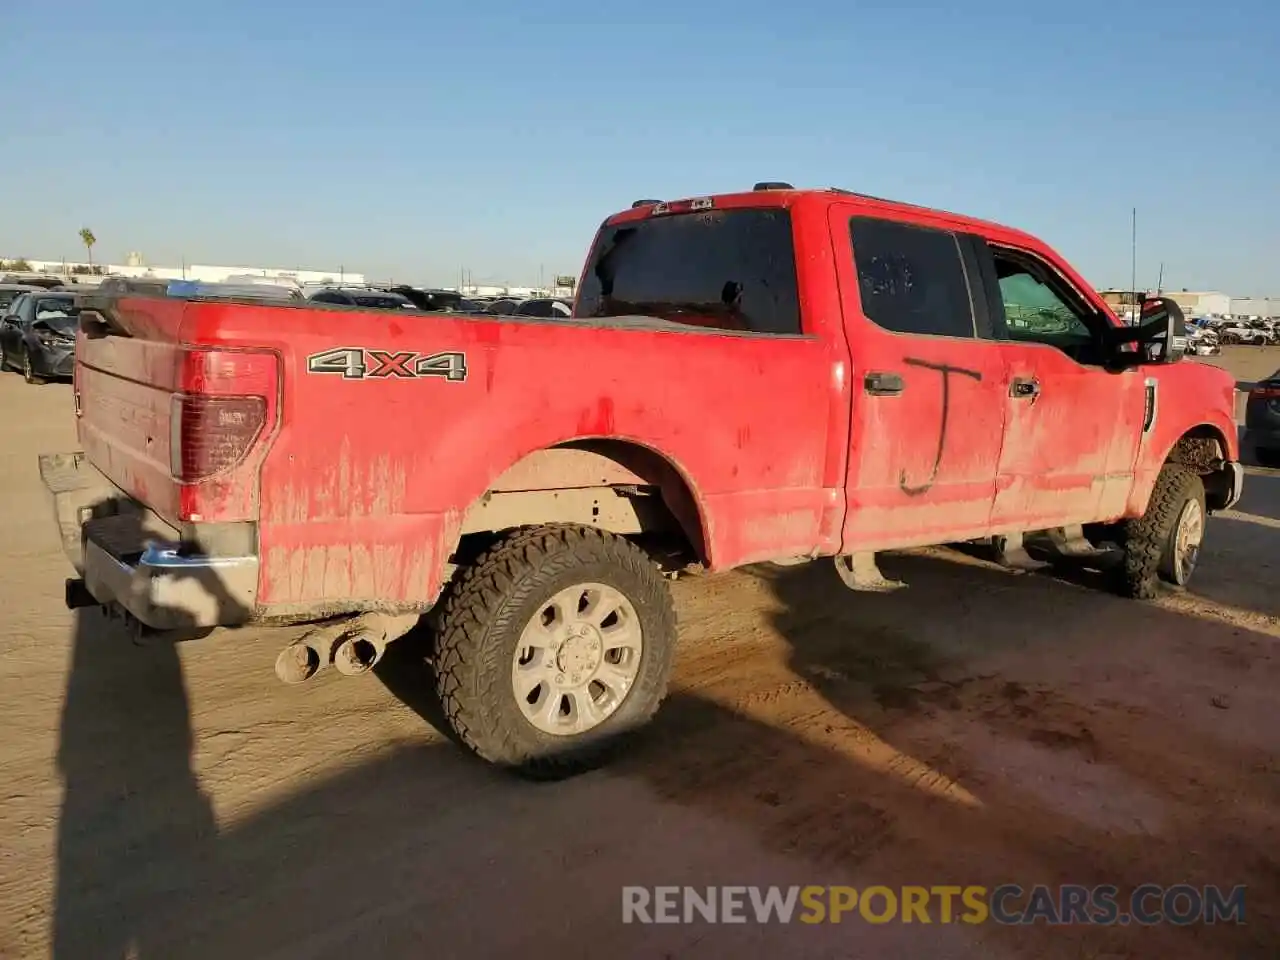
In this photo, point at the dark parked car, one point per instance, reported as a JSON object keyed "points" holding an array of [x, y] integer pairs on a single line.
{"points": [[38, 336], [363, 298], [1262, 420], [445, 301], [543, 307], [10, 292]]}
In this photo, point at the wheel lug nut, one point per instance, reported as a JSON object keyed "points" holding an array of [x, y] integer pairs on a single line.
{"points": [[559, 678]]}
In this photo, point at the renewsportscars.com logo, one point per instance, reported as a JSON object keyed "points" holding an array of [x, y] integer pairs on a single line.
{"points": [[1008, 904]]}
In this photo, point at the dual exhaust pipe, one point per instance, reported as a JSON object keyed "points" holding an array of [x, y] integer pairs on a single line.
{"points": [[353, 646]]}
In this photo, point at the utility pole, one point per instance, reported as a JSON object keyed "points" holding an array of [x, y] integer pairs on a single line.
{"points": [[1133, 263]]}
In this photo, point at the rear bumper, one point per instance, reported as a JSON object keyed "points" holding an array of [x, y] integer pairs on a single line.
{"points": [[133, 559]]}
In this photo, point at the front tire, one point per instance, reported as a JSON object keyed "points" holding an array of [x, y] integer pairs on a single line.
{"points": [[1164, 543], [28, 369], [553, 647]]}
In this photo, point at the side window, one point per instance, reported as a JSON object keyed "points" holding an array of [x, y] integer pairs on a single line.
{"points": [[911, 279], [1038, 308]]}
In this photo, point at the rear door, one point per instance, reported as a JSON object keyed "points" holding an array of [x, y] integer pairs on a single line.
{"points": [[1073, 425], [928, 408]]}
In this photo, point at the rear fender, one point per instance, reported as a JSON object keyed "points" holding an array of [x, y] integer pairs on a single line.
{"points": [[560, 483]]}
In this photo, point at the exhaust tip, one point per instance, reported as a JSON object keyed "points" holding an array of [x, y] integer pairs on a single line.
{"points": [[297, 663], [77, 595], [356, 655]]}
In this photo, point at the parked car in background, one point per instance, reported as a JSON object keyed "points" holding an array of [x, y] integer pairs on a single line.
{"points": [[38, 336], [363, 298], [1262, 420], [542, 307], [501, 308], [1203, 342], [446, 301], [47, 281], [10, 292]]}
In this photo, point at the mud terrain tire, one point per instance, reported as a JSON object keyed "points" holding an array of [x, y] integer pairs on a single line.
{"points": [[479, 638], [1150, 541]]}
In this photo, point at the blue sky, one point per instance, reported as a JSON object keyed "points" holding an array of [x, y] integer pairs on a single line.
{"points": [[411, 140]]}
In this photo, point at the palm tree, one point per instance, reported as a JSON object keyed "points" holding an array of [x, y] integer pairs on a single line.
{"points": [[88, 239]]}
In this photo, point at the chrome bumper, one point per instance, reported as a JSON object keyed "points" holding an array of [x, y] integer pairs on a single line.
{"points": [[133, 559]]}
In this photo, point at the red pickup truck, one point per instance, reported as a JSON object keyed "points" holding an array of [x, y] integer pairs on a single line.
{"points": [[769, 375]]}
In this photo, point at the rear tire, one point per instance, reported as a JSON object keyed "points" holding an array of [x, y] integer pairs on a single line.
{"points": [[1268, 456], [1164, 543], [532, 610]]}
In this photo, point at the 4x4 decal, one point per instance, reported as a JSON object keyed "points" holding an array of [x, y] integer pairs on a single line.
{"points": [[362, 363]]}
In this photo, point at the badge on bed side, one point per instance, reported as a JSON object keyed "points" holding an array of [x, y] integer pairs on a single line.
{"points": [[362, 363]]}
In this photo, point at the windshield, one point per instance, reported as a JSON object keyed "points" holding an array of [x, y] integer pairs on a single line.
{"points": [[57, 313], [730, 269]]}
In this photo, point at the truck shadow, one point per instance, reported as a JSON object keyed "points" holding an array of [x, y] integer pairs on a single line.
{"points": [[135, 826], [896, 749]]}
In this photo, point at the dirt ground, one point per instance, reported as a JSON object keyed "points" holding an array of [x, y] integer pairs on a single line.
{"points": [[979, 727]]}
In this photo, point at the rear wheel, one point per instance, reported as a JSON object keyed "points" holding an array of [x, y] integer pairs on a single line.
{"points": [[1164, 543], [1268, 456], [553, 647]]}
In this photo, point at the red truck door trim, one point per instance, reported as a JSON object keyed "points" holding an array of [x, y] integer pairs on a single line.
{"points": [[927, 416], [1073, 429]]}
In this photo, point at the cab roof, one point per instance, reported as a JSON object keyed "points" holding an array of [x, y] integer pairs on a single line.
{"points": [[783, 195]]}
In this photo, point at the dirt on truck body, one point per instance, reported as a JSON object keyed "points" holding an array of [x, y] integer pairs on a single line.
{"points": [[776, 375]]}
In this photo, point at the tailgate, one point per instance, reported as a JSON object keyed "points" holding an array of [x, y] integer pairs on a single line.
{"points": [[126, 367], [172, 423]]}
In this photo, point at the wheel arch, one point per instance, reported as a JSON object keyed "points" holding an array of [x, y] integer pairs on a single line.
{"points": [[1205, 449], [579, 480]]}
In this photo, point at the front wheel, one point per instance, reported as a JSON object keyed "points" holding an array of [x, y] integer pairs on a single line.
{"points": [[555, 645], [1164, 543], [29, 370]]}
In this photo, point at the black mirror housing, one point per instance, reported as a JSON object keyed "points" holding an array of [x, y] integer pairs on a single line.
{"points": [[1159, 337], [1163, 331]]}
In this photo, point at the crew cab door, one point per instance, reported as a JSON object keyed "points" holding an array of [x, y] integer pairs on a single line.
{"points": [[927, 392], [1073, 426]]}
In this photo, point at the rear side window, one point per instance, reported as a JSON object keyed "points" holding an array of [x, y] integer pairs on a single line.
{"points": [[724, 269], [911, 279]]}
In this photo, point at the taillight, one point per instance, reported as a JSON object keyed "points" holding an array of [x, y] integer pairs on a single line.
{"points": [[1266, 393], [211, 435]]}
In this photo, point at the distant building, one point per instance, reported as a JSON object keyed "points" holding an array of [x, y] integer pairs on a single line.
{"points": [[1193, 303], [205, 273], [1255, 306]]}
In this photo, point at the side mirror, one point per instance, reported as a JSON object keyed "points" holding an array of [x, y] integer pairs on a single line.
{"points": [[1163, 331], [1159, 337]]}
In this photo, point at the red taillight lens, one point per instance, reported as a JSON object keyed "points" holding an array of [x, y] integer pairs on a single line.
{"points": [[1265, 393], [211, 435]]}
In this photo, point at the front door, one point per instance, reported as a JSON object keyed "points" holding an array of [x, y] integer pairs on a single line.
{"points": [[927, 392], [1073, 426]]}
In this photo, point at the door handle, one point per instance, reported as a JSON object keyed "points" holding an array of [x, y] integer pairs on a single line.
{"points": [[880, 384], [1024, 387]]}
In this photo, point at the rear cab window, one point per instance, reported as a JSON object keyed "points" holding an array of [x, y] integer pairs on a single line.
{"points": [[728, 269]]}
